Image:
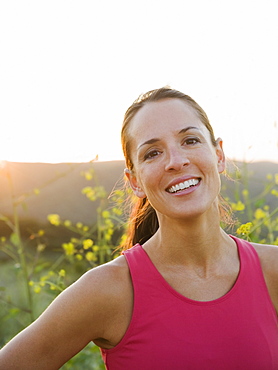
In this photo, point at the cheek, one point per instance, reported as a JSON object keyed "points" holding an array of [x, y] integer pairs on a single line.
{"points": [[210, 159], [148, 179], [210, 167]]}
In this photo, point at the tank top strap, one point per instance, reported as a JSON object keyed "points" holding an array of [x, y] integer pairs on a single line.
{"points": [[143, 272], [252, 281]]}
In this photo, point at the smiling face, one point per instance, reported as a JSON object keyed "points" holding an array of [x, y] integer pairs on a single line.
{"points": [[175, 164]]}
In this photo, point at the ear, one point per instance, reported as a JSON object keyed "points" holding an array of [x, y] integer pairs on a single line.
{"points": [[137, 190], [220, 155]]}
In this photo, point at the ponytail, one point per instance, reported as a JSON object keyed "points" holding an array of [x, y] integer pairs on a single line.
{"points": [[142, 225]]}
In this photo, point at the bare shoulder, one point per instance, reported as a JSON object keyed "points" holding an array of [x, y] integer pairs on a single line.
{"points": [[268, 255], [108, 288], [99, 284], [108, 277]]}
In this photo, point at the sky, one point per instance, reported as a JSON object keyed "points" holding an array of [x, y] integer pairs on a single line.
{"points": [[69, 69]]}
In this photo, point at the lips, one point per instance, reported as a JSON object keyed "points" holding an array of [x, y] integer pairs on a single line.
{"points": [[183, 185]]}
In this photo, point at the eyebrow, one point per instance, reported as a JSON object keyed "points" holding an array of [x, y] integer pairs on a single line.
{"points": [[155, 140]]}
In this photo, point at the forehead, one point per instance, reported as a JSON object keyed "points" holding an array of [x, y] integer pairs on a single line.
{"points": [[163, 116]]}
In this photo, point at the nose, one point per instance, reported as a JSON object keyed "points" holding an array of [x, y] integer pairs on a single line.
{"points": [[177, 158]]}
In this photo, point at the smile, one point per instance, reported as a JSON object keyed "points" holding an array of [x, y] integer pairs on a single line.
{"points": [[183, 185]]}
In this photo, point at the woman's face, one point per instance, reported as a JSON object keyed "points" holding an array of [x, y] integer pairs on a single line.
{"points": [[175, 164]]}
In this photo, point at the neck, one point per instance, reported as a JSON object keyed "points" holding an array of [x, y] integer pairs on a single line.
{"points": [[198, 242]]}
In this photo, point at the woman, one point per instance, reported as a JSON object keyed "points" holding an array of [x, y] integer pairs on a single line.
{"points": [[189, 296]]}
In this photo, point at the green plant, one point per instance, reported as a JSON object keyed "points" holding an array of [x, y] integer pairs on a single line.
{"points": [[39, 277], [257, 217]]}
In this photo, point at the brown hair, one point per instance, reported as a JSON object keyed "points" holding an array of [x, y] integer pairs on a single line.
{"points": [[143, 222]]}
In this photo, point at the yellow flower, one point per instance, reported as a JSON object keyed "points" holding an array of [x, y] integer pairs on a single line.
{"points": [[100, 192], [86, 190], [90, 256], [274, 192], [107, 237], [90, 193], [117, 211], [88, 175], [259, 213], [79, 225], [41, 232], [245, 193], [105, 214], [276, 178], [239, 206], [68, 248], [95, 248], [3, 239], [87, 243], [79, 257], [119, 193], [244, 229], [36, 191], [67, 223], [62, 273], [123, 239], [85, 228], [37, 289], [108, 223], [54, 219], [44, 278]]}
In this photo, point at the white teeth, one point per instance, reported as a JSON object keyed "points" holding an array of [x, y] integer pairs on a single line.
{"points": [[183, 185]]}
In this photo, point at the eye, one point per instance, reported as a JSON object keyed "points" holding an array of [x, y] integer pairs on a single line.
{"points": [[192, 141], [151, 154]]}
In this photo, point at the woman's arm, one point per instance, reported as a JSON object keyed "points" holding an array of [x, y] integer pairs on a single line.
{"points": [[82, 313]]}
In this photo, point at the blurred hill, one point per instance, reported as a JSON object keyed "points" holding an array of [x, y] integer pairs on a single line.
{"points": [[60, 187]]}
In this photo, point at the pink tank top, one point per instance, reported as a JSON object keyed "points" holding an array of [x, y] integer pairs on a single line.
{"points": [[171, 332]]}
